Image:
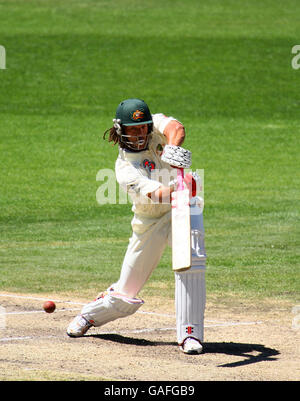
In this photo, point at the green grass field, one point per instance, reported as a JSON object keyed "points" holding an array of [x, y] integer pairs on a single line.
{"points": [[222, 67]]}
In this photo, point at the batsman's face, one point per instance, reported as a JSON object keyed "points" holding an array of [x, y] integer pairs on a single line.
{"points": [[137, 136]]}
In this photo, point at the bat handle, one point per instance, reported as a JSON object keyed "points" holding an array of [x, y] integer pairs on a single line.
{"points": [[180, 176]]}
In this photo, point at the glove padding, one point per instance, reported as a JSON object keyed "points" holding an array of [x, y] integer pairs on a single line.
{"points": [[177, 156]]}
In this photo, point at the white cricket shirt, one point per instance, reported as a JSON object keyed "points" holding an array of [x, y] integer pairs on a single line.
{"points": [[140, 173]]}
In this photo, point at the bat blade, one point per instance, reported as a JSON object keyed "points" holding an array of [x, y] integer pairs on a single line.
{"points": [[181, 230]]}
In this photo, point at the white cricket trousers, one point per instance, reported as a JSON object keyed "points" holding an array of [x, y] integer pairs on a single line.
{"points": [[143, 255]]}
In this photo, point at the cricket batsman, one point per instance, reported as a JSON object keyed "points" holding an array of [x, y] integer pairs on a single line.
{"points": [[150, 144]]}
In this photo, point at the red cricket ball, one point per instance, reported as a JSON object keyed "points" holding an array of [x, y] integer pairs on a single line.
{"points": [[49, 306]]}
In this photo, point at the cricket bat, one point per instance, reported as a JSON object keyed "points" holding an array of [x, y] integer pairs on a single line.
{"points": [[181, 226]]}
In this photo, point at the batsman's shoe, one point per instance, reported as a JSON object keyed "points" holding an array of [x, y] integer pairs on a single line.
{"points": [[191, 346], [78, 327]]}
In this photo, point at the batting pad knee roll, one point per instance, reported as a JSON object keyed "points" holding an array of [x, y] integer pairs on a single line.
{"points": [[190, 299], [111, 307]]}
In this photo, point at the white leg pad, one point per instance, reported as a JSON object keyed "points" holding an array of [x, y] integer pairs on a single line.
{"points": [[111, 307], [190, 298], [197, 233]]}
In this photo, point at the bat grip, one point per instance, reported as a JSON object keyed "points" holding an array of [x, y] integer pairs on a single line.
{"points": [[180, 176]]}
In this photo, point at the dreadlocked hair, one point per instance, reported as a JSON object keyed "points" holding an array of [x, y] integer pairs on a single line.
{"points": [[113, 136]]}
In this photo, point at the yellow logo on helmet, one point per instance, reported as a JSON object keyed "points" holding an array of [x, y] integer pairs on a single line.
{"points": [[137, 115]]}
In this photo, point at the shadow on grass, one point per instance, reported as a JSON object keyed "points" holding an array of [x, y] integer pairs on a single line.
{"points": [[251, 353]]}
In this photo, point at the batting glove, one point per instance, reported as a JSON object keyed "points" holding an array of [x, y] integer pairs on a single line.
{"points": [[177, 156], [192, 182]]}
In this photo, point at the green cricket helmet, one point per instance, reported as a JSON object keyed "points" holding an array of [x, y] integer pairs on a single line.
{"points": [[133, 112], [129, 113]]}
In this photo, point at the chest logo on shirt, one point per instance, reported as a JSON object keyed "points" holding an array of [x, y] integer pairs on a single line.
{"points": [[148, 165]]}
